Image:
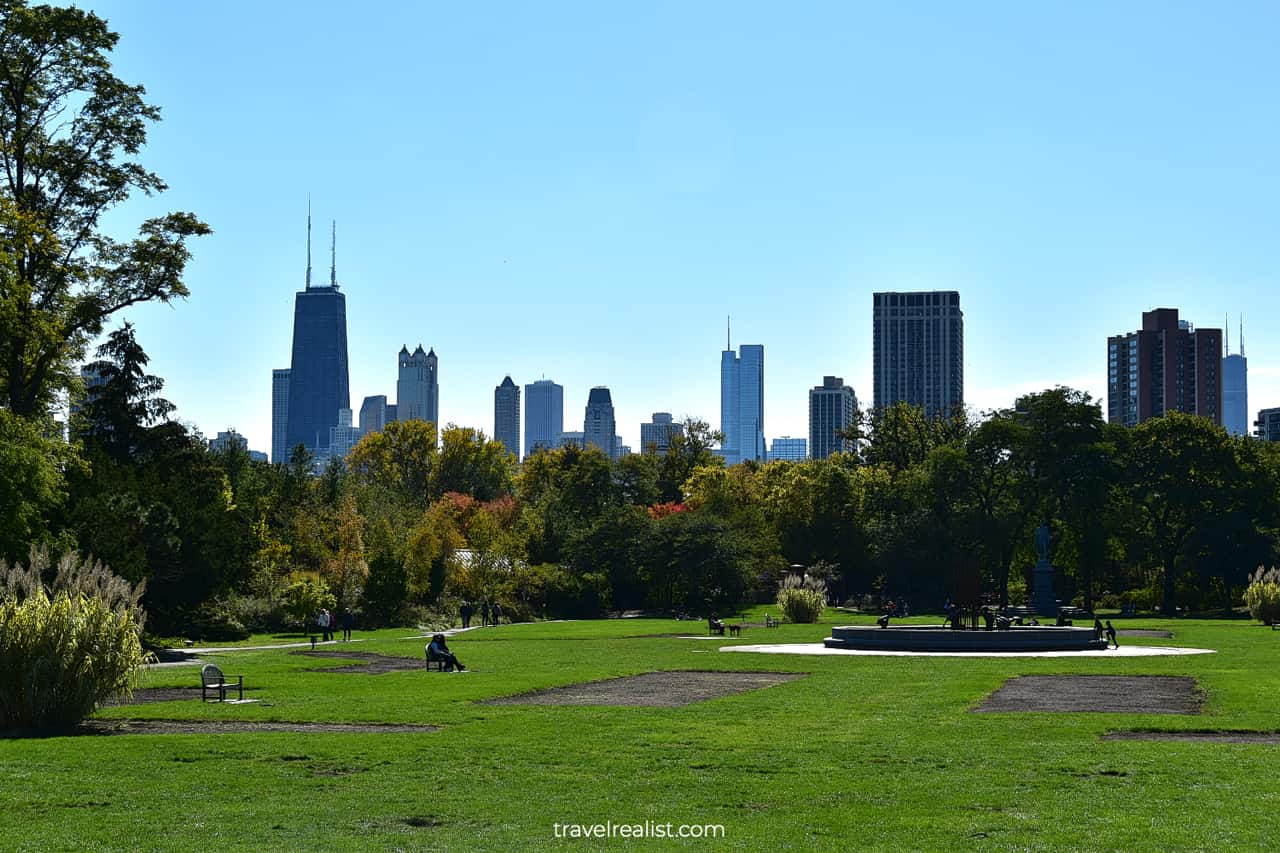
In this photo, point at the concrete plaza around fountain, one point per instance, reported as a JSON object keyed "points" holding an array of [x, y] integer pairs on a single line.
{"points": [[820, 649]]}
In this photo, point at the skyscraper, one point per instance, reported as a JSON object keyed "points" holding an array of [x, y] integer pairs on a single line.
{"points": [[373, 414], [279, 415], [742, 403], [343, 436], [543, 416], [506, 416], [918, 350], [598, 426], [1235, 387], [318, 379], [1166, 366], [418, 386], [655, 437], [831, 410], [786, 447]]}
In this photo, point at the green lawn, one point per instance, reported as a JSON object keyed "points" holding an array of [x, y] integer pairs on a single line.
{"points": [[865, 752]]}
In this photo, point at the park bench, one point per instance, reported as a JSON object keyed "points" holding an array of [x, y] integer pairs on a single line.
{"points": [[214, 683], [434, 661], [715, 626], [770, 622]]}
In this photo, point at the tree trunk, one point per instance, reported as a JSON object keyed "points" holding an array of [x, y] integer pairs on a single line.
{"points": [[1170, 605]]}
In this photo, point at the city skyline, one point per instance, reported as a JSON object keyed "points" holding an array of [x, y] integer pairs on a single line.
{"points": [[777, 175]]}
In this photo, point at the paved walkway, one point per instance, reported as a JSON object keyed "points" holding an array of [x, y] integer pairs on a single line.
{"points": [[820, 649]]}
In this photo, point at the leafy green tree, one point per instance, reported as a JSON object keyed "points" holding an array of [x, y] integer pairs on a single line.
{"points": [[124, 402], [401, 458], [690, 449], [70, 131], [33, 487], [471, 464]]}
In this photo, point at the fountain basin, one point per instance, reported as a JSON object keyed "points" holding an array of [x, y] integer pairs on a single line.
{"points": [[935, 638]]}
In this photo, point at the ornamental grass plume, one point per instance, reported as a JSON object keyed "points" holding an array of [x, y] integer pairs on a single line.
{"points": [[802, 600], [65, 647], [1262, 596]]}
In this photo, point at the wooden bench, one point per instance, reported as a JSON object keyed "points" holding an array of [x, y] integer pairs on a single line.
{"points": [[214, 683]]}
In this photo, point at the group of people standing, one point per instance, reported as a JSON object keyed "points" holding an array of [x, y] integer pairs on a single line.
{"points": [[328, 623], [490, 614]]}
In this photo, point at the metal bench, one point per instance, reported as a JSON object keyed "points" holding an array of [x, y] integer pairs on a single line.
{"points": [[214, 683]]}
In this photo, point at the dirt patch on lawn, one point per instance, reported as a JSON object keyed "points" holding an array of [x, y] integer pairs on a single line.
{"points": [[216, 727], [1199, 737], [1144, 632], [147, 695], [372, 664], [1108, 694], [652, 689]]}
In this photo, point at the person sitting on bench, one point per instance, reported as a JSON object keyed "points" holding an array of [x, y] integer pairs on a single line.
{"points": [[437, 650], [715, 626]]}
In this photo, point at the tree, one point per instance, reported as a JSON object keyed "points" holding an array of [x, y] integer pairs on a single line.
{"points": [[32, 485], [400, 457], [69, 133], [471, 464], [122, 403], [689, 448]]}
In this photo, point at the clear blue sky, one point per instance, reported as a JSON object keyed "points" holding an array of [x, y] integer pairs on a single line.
{"points": [[584, 191]]}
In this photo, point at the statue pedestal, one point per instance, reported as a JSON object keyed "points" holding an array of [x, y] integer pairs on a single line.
{"points": [[1043, 600]]}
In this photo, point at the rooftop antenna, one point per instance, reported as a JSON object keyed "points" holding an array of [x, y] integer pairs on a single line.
{"points": [[1226, 333], [1241, 344], [727, 345], [333, 257], [308, 242]]}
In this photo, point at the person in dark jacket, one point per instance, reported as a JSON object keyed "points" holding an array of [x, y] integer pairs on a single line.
{"points": [[437, 649]]}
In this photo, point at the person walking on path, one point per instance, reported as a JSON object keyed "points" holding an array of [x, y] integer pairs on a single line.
{"points": [[496, 612], [1099, 632], [347, 621], [322, 620], [1111, 635], [465, 612], [484, 613]]}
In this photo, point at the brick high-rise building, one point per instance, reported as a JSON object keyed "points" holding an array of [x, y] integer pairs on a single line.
{"points": [[1166, 366]]}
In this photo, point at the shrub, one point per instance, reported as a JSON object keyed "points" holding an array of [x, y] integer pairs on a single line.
{"points": [[802, 600], [1263, 595], [67, 647], [305, 597], [216, 619]]}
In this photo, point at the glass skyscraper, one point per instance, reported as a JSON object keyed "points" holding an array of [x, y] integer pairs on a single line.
{"points": [[742, 403], [543, 416], [318, 377], [598, 427], [506, 416], [918, 350]]}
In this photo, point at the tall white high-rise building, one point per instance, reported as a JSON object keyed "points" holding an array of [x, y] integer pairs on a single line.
{"points": [[418, 386], [742, 403], [831, 411], [506, 416], [279, 415], [918, 350], [1235, 387], [598, 426], [344, 436], [543, 416]]}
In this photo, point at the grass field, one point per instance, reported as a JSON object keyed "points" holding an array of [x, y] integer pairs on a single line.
{"points": [[863, 752]]}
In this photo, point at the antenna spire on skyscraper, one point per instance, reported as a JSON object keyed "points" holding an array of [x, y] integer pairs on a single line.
{"points": [[1241, 344], [333, 256], [308, 242], [728, 345], [1226, 334]]}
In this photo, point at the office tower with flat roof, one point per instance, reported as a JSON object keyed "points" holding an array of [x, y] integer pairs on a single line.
{"points": [[742, 403], [598, 426], [655, 437], [1235, 386], [373, 414], [279, 415], [318, 379], [570, 439], [1166, 366], [506, 416], [788, 448], [418, 386], [832, 406], [543, 416], [227, 440], [918, 350], [1267, 426]]}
